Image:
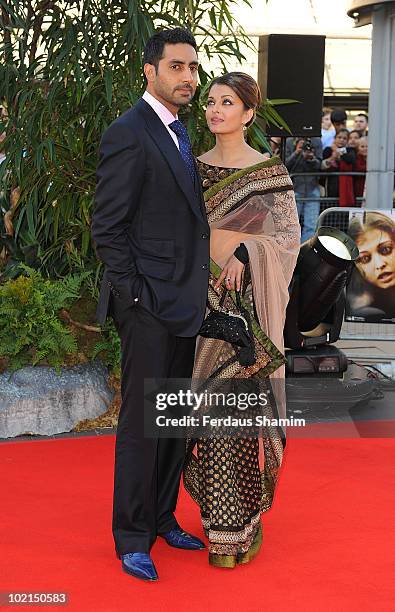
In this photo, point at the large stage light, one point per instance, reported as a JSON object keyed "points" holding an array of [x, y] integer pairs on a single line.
{"points": [[316, 306]]}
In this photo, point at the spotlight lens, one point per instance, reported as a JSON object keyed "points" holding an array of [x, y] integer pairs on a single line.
{"points": [[335, 246]]}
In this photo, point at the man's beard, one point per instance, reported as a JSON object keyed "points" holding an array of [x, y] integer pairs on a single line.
{"points": [[170, 97]]}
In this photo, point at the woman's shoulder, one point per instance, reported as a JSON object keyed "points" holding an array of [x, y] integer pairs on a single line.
{"points": [[258, 158], [206, 158], [242, 163], [252, 157], [202, 158]]}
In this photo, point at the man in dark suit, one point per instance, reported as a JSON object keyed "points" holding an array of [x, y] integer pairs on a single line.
{"points": [[151, 232]]}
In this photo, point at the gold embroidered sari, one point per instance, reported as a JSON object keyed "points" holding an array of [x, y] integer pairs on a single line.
{"points": [[233, 478]]}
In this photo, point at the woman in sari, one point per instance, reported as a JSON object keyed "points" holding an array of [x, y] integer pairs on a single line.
{"points": [[255, 237]]}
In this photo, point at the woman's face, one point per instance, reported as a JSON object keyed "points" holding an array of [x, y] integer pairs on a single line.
{"points": [[376, 261], [225, 112], [353, 139]]}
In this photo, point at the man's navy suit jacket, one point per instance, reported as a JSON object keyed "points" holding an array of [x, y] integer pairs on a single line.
{"points": [[149, 224]]}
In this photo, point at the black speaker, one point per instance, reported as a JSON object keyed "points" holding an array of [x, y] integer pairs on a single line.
{"points": [[292, 66]]}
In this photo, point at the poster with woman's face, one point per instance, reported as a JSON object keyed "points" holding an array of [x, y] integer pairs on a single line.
{"points": [[370, 294]]}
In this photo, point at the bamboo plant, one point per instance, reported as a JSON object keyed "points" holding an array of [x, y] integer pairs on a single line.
{"points": [[68, 68]]}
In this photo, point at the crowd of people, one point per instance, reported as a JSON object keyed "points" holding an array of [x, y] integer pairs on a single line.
{"points": [[320, 166]]}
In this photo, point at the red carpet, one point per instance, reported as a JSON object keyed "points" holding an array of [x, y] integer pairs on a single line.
{"points": [[329, 540]]}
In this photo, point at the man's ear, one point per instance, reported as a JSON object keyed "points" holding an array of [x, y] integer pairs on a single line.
{"points": [[150, 72]]}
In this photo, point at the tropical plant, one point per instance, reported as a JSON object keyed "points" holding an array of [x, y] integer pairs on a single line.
{"points": [[68, 68], [108, 348], [31, 331]]}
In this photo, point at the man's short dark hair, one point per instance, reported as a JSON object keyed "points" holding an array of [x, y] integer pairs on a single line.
{"points": [[363, 115], [153, 51], [338, 116]]}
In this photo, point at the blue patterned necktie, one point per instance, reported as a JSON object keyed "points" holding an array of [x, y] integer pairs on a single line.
{"points": [[185, 146]]}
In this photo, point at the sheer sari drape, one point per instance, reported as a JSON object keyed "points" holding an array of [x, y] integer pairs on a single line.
{"points": [[225, 476]]}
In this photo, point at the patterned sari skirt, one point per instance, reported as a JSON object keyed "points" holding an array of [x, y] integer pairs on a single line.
{"points": [[232, 478]]}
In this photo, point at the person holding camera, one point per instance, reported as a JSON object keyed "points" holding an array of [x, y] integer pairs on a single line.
{"points": [[304, 156], [340, 157]]}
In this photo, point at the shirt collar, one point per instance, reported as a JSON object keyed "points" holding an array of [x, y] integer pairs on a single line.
{"points": [[163, 113]]}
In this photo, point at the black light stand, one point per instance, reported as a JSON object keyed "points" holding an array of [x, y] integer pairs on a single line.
{"points": [[318, 376], [316, 306]]}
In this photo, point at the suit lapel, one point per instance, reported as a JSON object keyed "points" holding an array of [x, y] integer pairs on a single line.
{"points": [[167, 147]]}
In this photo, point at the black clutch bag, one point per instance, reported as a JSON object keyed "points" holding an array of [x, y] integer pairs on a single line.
{"points": [[232, 327]]}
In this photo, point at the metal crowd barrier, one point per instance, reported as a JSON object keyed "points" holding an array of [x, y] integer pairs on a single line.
{"points": [[325, 174]]}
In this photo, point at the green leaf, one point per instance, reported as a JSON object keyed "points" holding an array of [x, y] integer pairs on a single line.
{"points": [[278, 101], [108, 85]]}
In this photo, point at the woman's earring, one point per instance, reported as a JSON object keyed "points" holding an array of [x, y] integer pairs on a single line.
{"points": [[244, 127]]}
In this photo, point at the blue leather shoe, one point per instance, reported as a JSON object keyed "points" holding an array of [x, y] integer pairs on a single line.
{"points": [[139, 565], [181, 539]]}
